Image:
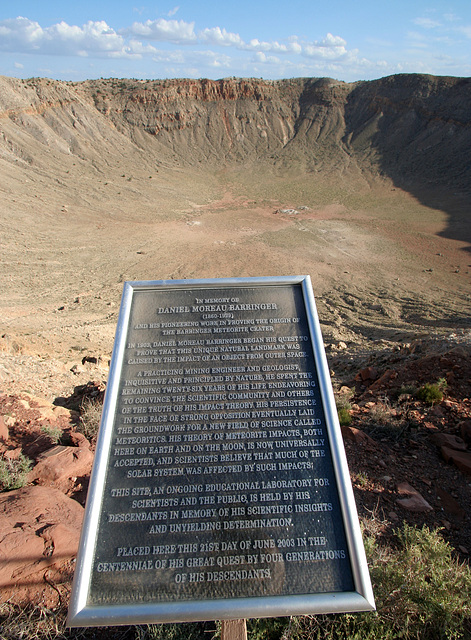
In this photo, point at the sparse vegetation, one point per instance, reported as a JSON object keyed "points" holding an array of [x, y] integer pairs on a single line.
{"points": [[31, 622], [90, 418], [38, 622], [13, 472], [269, 628], [421, 593], [429, 393], [343, 410], [384, 418], [183, 631], [421, 590], [345, 417], [361, 479], [382, 413], [54, 433]]}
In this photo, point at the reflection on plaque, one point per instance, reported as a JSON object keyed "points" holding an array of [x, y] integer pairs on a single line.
{"points": [[220, 487]]}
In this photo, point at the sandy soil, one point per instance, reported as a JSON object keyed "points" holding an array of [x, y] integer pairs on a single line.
{"points": [[381, 263]]}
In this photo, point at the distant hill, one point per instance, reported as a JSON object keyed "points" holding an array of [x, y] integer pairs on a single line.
{"points": [[415, 129]]}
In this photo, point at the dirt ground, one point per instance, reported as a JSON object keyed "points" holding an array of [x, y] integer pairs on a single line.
{"points": [[381, 262]]}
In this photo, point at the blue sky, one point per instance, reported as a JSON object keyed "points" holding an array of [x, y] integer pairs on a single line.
{"points": [[344, 39]]}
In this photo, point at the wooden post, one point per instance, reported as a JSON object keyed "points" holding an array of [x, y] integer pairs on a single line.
{"points": [[233, 630]]}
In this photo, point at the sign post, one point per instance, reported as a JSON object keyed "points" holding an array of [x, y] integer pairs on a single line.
{"points": [[220, 488], [233, 630]]}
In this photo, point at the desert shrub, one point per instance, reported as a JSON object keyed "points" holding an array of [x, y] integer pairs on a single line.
{"points": [[384, 419], [13, 473], [408, 389], [345, 417], [405, 392], [267, 628], [361, 479], [38, 622], [180, 631], [429, 393], [382, 413], [32, 622], [421, 591], [343, 411], [54, 433], [90, 417]]}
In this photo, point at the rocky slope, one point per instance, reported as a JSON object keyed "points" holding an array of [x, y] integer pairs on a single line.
{"points": [[413, 128], [409, 460]]}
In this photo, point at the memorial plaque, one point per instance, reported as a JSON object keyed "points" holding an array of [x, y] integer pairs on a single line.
{"points": [[220, 488]]}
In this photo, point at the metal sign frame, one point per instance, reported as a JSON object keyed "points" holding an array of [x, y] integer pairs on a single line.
{"points": [[361, 598]]}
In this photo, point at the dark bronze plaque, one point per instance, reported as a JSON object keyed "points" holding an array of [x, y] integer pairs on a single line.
{"points": [[219, 475]]}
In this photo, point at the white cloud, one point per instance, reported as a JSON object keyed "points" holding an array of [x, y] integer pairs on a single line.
{"points": [[212, 59], [161, 30], [18, 65], [141, 49], [333, 41], [220, 37], [185, 57], [19, 32], [262, 58], [330, 48], [447, 31], [256, 45], [426, 23], [166, 47], [97, 38], [92, 36]]}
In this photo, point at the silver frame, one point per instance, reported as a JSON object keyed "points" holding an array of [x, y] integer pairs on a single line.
{"points": [[361, 599]]}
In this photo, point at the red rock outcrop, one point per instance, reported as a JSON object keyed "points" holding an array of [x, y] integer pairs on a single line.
{"points": [[39, 535], [60, 467]]}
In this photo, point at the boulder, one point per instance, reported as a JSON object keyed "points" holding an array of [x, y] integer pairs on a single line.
{"points": [[465, 430], [412, 501], [39, 533], [383, 380], [4, 434], [461, 459], [78, 440], [357, 436], [367, 375], [60, 467], [448, 440]]}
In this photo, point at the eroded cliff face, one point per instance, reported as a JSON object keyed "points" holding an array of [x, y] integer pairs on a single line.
{"points": [[412, 128]]}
